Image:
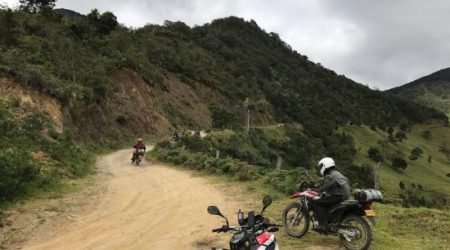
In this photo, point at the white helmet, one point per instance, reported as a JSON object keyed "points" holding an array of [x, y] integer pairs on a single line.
{"points": [[324, 164]]}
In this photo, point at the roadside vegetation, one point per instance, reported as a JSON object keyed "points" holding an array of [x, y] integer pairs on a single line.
{"points": [[417, 180], [34, 156]]}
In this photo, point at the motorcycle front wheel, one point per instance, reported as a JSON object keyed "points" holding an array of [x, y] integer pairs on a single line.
{"points": [[295, 221], [363, 237]]}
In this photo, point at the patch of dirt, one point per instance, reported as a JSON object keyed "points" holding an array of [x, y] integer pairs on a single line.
{"points": [[32, 99]]}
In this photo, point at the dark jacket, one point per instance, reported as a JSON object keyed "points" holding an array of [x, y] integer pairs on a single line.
{"points": [[138, 146], [335, 183]]}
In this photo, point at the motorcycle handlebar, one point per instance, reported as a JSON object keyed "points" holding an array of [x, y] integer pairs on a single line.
{"points": [[224, 228]]}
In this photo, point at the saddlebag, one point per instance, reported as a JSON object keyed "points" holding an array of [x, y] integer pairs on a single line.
{"points": [[364, 195]]}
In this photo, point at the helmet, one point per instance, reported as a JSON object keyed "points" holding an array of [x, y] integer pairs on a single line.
{"points": [[139, 140], [324, 164]]}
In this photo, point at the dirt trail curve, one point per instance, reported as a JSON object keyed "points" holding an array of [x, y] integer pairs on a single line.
{"points": [[150, 207]]}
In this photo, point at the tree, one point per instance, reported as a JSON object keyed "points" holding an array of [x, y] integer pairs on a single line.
{"points": [[34, 6], [375, 155], [399, 163], [250, 106], [221, 118], [8, 31], [104, 23], [107, 23], [415, 153]]}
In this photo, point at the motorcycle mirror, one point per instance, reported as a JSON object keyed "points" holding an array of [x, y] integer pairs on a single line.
{"points": [[214, 211], [266, 202]]}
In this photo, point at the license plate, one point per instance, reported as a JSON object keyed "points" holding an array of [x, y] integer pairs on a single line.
{"points": [[370, 213]]}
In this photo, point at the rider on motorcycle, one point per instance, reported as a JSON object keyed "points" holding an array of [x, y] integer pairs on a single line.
{"points": [[139, 145], [335, 188]]}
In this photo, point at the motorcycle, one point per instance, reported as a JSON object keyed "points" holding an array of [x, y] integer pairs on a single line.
{"points": [[253, 233], [138, 156], [346, 219]]}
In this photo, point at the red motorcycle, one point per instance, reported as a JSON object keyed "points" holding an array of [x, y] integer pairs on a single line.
{"points": [[253, 233], [346, 219]]}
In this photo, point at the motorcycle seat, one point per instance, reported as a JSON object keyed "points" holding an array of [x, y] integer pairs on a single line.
{"points": [[349, 202]]}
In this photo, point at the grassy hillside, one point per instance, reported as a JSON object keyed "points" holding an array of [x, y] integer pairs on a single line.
{"points": [[432, 90], [431, 175]]}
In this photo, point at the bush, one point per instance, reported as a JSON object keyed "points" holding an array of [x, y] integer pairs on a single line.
{"points": [[196, 143], [17, 170], [375, 154], [415, 153], [399, 163]]}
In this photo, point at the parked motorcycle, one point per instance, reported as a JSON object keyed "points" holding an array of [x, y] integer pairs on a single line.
{"points": [[346, 219], [253, 233]]}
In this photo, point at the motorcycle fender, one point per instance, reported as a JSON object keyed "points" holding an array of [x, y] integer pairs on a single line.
{"points": [[373, 220], [295, 195]]}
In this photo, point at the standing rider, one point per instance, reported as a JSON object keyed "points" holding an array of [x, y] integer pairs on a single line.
{"points": [[335, 188], [139, 146]]}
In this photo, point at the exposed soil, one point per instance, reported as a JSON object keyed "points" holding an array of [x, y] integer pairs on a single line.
{"points": [[146, 207]]}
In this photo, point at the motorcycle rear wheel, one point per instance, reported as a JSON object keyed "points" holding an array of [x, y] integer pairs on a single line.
{"points": [[364, 240], [295, 221]]}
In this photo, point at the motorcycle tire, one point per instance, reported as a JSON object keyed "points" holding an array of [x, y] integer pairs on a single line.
{"points": [[366, 231], [305, 218]]}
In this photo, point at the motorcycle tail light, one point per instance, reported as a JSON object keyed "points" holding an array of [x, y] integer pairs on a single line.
{"points": [[368, 206]]}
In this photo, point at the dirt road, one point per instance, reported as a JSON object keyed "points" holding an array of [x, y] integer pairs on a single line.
{"points": [[150, 207]]}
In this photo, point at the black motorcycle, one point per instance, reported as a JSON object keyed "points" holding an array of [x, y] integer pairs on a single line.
{"points": [[346, 219], [253, 233]]}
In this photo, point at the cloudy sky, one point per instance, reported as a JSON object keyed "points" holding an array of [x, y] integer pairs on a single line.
{"points": [[382, 43]]}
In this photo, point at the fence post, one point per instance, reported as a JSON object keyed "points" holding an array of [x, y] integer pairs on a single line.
{"points": [[217, 154], [376, 176], [279, 162]]}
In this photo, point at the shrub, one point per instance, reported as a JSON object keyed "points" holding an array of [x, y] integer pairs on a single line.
{"points": [[196, 144], [415, 153], [16, 171], [375, 154], [399, 163]]}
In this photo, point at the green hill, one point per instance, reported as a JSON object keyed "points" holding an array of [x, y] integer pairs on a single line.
{"points": [[430, 173], [432, 90]]}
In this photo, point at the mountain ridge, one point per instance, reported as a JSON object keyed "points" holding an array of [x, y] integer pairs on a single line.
{"points": [[432, 90]]}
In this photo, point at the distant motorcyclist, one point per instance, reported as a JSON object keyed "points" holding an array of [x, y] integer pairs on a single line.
{"points": [[138, 149], [197, 130], [335, 188], [176, 135]]}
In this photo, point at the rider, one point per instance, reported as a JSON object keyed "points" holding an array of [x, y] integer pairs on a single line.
{"points": [[335, 188], [139, 145], [176, 135]]}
